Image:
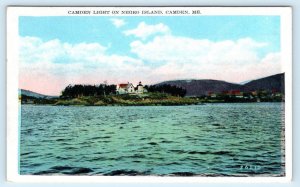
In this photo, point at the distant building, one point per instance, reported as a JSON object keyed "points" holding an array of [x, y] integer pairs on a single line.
{"points": [[139, 88], [225, 93], [130, 89], [125, 88], [254, 93], [211, 94], [236, 93]]}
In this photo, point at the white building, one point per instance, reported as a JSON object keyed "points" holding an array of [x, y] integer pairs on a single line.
{"points": [[130, 89], [140, 88]]}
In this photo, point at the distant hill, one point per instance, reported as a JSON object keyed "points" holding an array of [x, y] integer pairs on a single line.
{"points": [[202, 87], [274, 82], [34, 94]]}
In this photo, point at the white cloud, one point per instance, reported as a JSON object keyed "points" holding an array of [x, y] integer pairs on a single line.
{"points": [[144, 30], [184, 58], [118, 22], [182, 50], [34, 50], [48, 66]]}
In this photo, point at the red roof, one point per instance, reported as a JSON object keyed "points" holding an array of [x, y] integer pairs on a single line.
{"points": [[123, 85], [235, 92]]}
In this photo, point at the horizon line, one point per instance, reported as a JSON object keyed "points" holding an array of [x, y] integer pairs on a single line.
{"points": [[240, 83]]}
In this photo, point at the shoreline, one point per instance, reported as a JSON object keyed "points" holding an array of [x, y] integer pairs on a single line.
{"points": [[150, 99], [119, 105]]}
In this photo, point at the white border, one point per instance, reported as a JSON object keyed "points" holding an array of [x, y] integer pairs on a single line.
{"points": [[12, 91]]}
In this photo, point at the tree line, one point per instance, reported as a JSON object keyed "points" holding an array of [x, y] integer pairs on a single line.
{"points": [[79, 90], [166, 88]]}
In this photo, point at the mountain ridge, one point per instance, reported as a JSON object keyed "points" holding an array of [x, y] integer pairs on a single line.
{"points": [[199, 87], [35, 94]]}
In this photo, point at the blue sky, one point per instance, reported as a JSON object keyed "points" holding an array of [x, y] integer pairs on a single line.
{"points": [[99, 29], [91, 49]]}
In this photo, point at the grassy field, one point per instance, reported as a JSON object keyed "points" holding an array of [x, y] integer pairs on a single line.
{"points": [[148, 99]]}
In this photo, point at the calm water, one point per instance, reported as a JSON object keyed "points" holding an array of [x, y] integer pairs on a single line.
{"points": [[212, 140]]}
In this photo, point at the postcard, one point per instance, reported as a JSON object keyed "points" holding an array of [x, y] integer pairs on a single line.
{"points": [[149, 94]]}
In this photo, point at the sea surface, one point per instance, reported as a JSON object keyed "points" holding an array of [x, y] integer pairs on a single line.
{"points": [[230, 139]]}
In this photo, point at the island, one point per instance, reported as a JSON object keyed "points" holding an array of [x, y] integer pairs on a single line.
{"points": [[124, 94], [168, 93]]}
